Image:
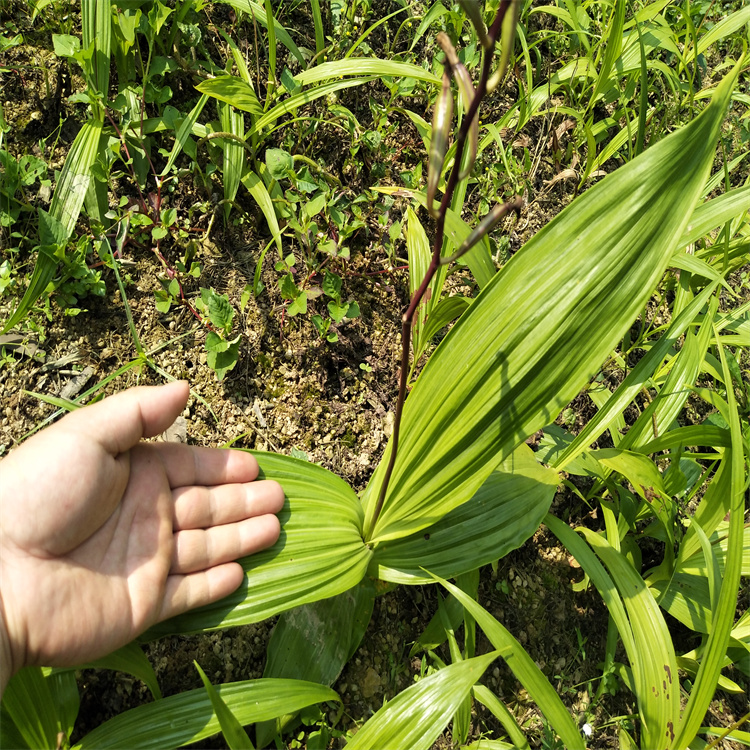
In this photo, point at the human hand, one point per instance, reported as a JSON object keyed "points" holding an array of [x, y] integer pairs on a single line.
{"points": [[102, 536]]}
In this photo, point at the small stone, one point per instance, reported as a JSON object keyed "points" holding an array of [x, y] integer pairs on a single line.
{"points": [[371, 683]]}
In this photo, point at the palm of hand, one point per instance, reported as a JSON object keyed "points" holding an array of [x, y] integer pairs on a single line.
{"points": [[104, 539]]}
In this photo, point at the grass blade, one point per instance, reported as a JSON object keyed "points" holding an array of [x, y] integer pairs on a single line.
{"points": [[415, 718], [524, 668], [231, 729], [723, 617], [184, 132], [258, 190], [189, 717]]}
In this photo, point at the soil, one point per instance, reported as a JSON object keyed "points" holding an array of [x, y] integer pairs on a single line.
{"points": [[293, 391]]}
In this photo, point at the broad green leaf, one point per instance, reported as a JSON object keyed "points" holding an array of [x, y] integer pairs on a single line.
{"points": [[647, 481], [319, 554], [258, 190], [315, 641], [189, 717], [231, 729], [505, 511], [29, 704], [65, 698], [66, 45], [420, 255], [540, 329], [416, 717], [478, 259], [234, 91], [131, 660], [278, 163], [555, 441], [524, 668], [653, 661], [686, 596], [714, 213], [364, 66]]}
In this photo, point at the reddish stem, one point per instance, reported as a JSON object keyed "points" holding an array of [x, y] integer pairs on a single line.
{"points": [[406, 321]]}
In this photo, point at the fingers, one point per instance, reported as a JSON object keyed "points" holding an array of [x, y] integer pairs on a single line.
{"points": [[200, 572], [203, 507], [184, 592], [189, 465], [199, 549], [120, 421]]}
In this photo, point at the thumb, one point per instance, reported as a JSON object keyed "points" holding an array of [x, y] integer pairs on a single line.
{"points": [[118, 422]]}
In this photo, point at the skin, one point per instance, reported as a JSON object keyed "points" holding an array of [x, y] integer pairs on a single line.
{"points": [[103, 535]]}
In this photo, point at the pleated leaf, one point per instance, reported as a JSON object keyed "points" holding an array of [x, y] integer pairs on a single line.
{"points": [[189, 717], [506, 510], [416, 717], [70, 191], [28, 704], [314, 642], [234, 155], [319, 554], [364, 66], [96, 23], [232, 90], [524, 668], [541, 328]]}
